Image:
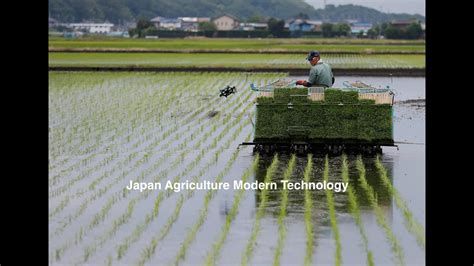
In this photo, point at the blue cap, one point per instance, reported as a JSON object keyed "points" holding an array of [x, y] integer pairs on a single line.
{"points": [[312, 54]]}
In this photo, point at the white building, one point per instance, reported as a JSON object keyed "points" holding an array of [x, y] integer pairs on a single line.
{"points": [[166, 23], [358, 28], [253, 26], [192, 23], [156, 21], [101, 28]]}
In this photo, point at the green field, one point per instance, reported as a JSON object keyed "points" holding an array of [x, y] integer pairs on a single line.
{"points": [[303, 45], [289, 61]]}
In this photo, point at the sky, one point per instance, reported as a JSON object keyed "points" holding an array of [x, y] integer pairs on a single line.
{"points": [[387, 6]]}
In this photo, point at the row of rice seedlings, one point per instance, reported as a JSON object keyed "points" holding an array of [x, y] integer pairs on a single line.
{"points": [[238, 118], [355, 211], [145, 194], [152, 133], [369, 192], [60, 206], [98, 142], [191, 235], [212, 255], [282, 215], [139, 229], [246, 255], [126, 86], [149, 107], [64, 101], [332, 213], [100, 192], [150, 250], [214, 127], [99, 118], [105, 149], [90, 250], [170, 131], [308, 213], [165, 106], [145, 172], [411, 224], [123, 176]]}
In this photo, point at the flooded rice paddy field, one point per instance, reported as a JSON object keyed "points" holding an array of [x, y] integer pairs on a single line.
{"points": [[109, 128]]}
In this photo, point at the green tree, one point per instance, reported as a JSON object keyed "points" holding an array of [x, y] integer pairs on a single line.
{"points": [[372, 33], [393, 33], [414, 31], [327, 29], [276, 27], [382, 28], [344, 29], [144, 23], [144, 27], [207, 26]]}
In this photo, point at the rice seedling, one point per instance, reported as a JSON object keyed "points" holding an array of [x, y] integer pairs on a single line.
{"points": [[355, 211], [308, 207], [260, 212], [212, 256], [332, 213], [370, 194], [411, 224], [148, 251], [282, 214]]}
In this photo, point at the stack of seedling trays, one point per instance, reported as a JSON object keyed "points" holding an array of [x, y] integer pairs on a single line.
{"points": [[319, 115]]}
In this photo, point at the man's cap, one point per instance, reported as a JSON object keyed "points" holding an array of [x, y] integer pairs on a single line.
{"points": [[312, 54]]}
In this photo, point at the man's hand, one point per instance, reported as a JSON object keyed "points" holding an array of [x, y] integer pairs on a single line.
{"points": [[300, 82]]}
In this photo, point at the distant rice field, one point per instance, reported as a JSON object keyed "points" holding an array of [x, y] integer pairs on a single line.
{"points": [[302, 45], [233, 60]]}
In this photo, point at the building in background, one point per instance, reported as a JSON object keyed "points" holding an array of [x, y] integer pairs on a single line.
{"points": [[360, 28], [100, 28], [253, 26], [156, 21], [226, 22], [304, 25], [192, 23], [403, 24]]}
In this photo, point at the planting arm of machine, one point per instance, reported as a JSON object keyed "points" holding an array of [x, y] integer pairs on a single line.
{"points": [[227, 91]]}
